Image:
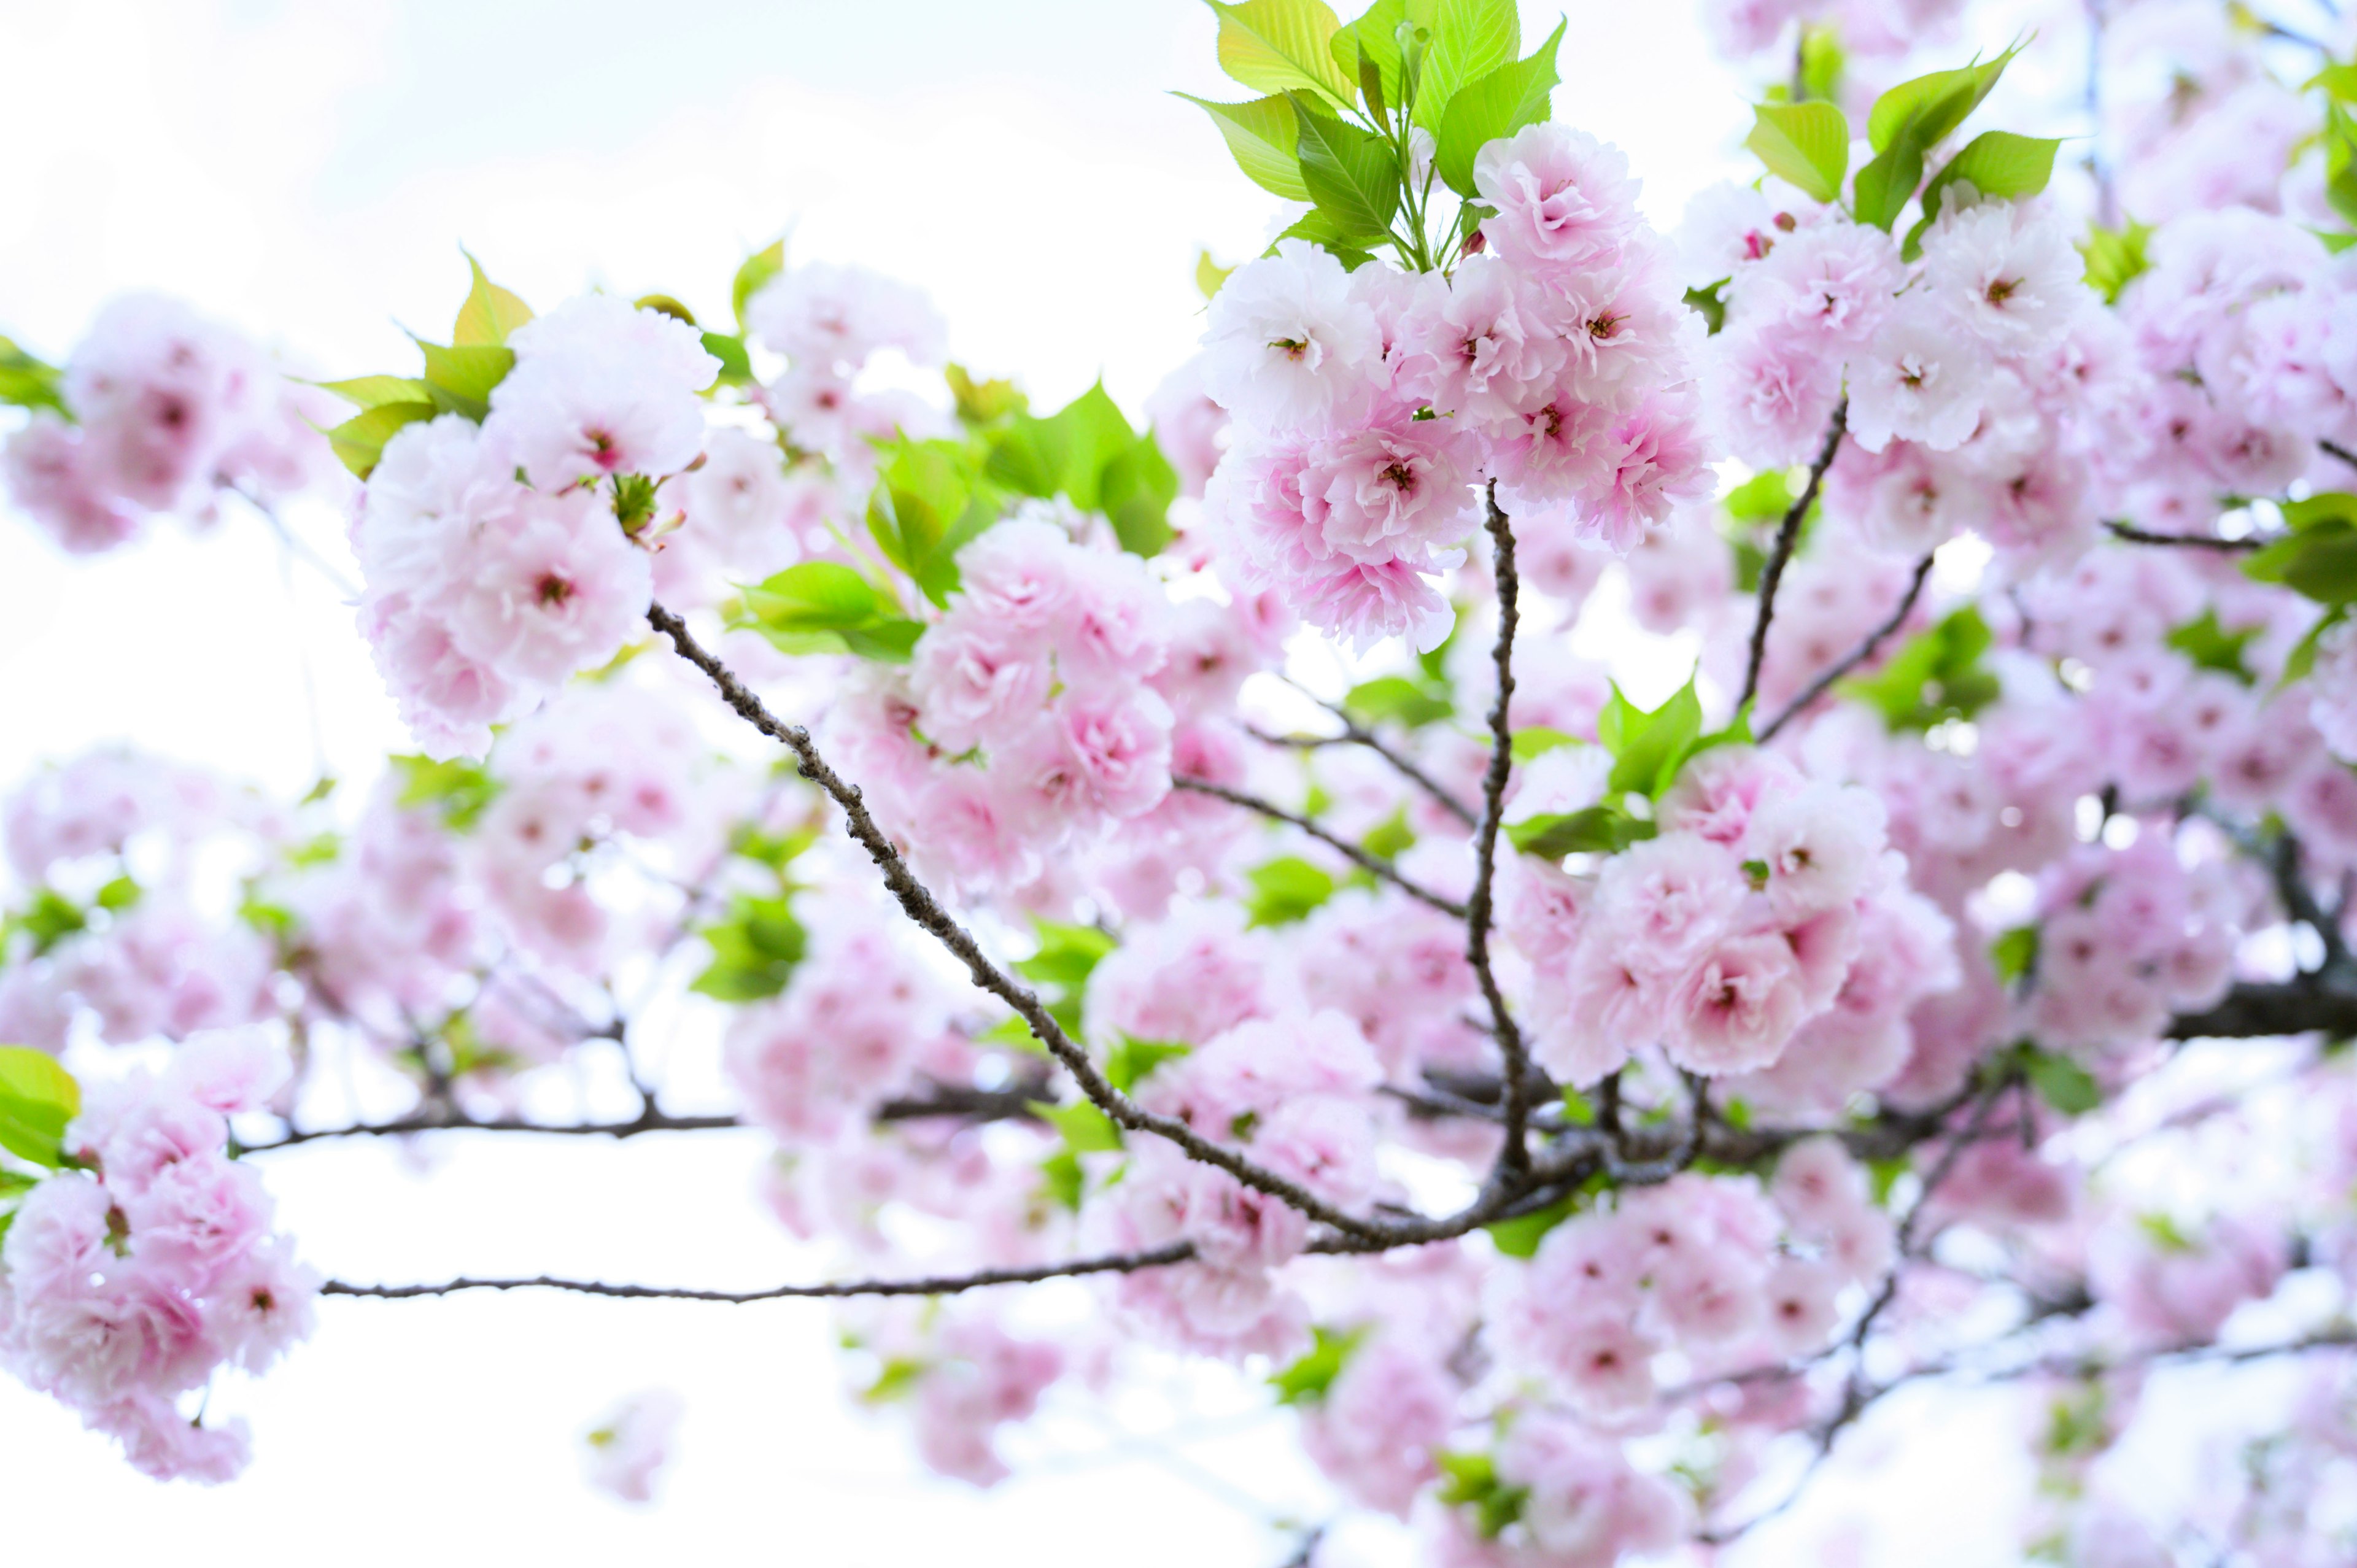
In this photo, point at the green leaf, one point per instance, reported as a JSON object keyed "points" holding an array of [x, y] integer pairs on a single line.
{"points": [[1306, 1379], [37, 1099], [2318, 559], [1821, 61], [823, 607], [1135, 491], [1067, 954], [736, 365], [1285, 890], [1278, 46], [1931, 107], [757, 269], [375, 392], [2300, 662], [1934, 676], [1352, 175], [458, 789], [1027, 457], [1395, 699], [1647, 747], [1062, 1179], [1537, 740], [461, 379], [489, 314], [925, 506], [986, 402], [28, 382], [1210, 275], [2014, 954], [1764, 496], [1470, 39], [2061, 1083], [2212, 647], [1261, 135], [2339, 81], [1597, 829], [1320, 229], [1907, 121], [1520, 1237], [359, 441], [1880, 192], [755, 950], [49, 919], [1804, 145], [1086, 1128], [1994, 163], [1373, 40], [1095, 432], [1494, 106], [1131, 1058], [2116, 257]]}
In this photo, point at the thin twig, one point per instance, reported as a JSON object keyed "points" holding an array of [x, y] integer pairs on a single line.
{"points": [[1787, 535], [943, 1285], [1356, 734], [1373, 864], [2335, 449], [1856, 656], [1514, 1156], [650, 1120]]}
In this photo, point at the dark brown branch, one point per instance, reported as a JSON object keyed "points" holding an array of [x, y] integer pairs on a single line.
{"points": [[650, 1120], [923, 907], [1781, 553], [2335, 449], [1856, 656], [2256, 1009], [1373, 864], [2188, 541], [1514, 1156], [943, 1285]]}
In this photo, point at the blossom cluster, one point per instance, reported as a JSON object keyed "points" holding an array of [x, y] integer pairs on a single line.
{"points": [[1552, 363], [131, 1279], [157, 413]]}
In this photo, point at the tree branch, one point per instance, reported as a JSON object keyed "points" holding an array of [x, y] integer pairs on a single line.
{"points": [[1787, 535], [1374, 865], [1514, 1156], [2189, 541], [439, 1121], [923, 907], [1856, 656], [943, 1285], [1355, 734]]}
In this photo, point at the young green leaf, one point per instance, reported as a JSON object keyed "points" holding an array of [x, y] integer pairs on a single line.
{"points": [[489, 314], [1395, 699], [1086, 1129], [1373, 40], [1931, 107], [1067, 954], [1095, 434], [1994, 163], [1285, 890], [1131, 1058], [1261, 136], [1470, 39], [2116, 257], [757, 269], [28, 382], [1595, 829], [755, 950], [1306, 1380], [375, 392], [1210, 275], [37, 1099], [1352, 175], [359, 441], [1807, 145], [1135, 491], [1647, 747], [1281, 45], [1514, 95], [460, 378]]}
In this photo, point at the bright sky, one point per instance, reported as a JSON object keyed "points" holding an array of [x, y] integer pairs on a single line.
{"points": [[309, 172]]}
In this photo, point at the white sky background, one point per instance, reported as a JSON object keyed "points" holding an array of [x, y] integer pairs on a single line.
{"points": [[308, 171]]}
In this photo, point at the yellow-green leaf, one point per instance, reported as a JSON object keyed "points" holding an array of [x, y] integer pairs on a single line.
{"points": [[1278, 46], [489, 314]]}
